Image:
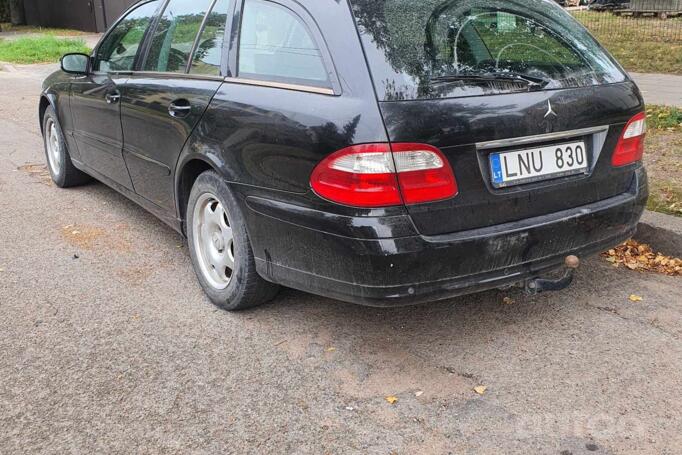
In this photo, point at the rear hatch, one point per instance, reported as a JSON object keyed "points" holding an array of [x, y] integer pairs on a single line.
{"points": [[479, 80]]}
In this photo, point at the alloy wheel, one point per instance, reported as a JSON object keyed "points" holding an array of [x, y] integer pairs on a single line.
{"points": [[213, 241], [54, 149]]}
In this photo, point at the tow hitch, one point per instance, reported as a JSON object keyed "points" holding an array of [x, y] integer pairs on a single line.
{"points": [[536, 285]]}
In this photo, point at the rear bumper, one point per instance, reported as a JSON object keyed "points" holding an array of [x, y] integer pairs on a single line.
{"points": [[412, 269]]}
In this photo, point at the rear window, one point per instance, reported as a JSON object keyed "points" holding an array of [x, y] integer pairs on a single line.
{"points": [[436, 48], [275, 45]]}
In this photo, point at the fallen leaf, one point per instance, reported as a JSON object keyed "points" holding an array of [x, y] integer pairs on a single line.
{"points": [[391, 399], [480, 389], [640, 257], [418, 393], [508, 301], [635, 298], [330, 349]]}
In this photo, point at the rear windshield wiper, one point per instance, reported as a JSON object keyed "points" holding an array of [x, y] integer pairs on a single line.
{"points": [[533, 82]]}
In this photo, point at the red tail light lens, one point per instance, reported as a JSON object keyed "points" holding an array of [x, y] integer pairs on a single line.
{"points": [[370, 175], [630, 147], [360, 176], [424, 174]]}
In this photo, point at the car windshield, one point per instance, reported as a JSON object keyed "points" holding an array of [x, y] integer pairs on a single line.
{"points": [[436, 48]]}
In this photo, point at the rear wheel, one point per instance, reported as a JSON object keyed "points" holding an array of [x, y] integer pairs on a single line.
{"points": [[220, 248], [64, 174]]}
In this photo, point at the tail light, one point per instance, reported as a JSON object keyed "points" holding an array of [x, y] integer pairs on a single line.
{"points": [[630, 147], [382, 175]]}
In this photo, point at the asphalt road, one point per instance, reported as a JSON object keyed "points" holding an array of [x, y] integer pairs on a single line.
{"points": [[107, 345]]}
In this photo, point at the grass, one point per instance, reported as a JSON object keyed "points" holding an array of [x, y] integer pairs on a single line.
{"points": [[8, 27], [645, 45], [665, 198], [664, 118], [39, 49], [663, 159]]}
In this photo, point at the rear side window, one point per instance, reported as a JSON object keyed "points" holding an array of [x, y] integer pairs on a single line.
{"points": [[437, 48], [174, 36], [276, 45], [209, 51], [118, 50]]}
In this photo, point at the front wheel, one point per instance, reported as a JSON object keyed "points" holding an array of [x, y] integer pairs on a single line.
{"points": [[64, 174], [220, 249]]}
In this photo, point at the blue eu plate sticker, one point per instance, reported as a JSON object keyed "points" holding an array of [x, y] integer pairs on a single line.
{"points": [[496, 168]]}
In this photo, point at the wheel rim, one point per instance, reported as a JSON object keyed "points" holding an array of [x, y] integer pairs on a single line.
{"points": [[54, 149], [213, 241]]}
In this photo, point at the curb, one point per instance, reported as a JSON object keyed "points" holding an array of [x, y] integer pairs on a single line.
{"points": [[662, 232], [7, 67]]}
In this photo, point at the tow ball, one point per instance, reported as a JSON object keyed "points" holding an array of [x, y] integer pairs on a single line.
{"points": [[537, 285]]}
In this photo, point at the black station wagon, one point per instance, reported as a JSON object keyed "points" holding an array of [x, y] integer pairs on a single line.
{"points": [[383, 152]]}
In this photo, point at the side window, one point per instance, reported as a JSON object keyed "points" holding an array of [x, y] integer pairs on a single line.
{"points": [[209, 51], [174, 36], [275, 45], [118, 50]]}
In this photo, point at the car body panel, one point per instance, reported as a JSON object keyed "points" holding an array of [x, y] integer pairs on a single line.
{"points": [[56, 92], [363, 266], [457, 125], [154, 138], [97, 124], [267, 141]]}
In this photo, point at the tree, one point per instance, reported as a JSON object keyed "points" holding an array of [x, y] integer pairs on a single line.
{"points": [[17, 14]]}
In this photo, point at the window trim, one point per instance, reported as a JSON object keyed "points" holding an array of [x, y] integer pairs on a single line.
{"points": [[195, 44], [139, 67], [330, 87], [281, 85], [141, 48]]}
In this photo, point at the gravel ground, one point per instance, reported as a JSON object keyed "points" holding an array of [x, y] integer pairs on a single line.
{"points": [[107, 345]]}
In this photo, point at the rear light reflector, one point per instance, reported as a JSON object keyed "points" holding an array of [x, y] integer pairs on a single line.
{"points": [[630, 147], [424, 174], [381, 175]]}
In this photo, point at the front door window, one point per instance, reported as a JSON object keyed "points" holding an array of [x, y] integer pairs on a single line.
{"points": [[119, 49], [174, 37]]}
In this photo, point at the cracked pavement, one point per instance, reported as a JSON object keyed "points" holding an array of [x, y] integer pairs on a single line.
{"points": [[107, 345]]}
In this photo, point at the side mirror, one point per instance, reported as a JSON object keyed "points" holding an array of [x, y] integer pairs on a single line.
{"points": [[75, 63]]}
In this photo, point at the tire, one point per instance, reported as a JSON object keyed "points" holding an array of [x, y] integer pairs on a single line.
{"points": [[217, 238], [64, 174]]}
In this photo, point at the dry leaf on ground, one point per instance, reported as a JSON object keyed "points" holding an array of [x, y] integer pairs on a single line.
{"points": [[391, 399], [480, 389], [640, 256], [635, 298], [508, 301]]}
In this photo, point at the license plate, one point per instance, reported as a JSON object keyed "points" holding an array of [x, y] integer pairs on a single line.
{"points": [[532, 165]]}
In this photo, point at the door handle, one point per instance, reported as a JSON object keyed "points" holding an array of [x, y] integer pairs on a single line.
{"points": [[179, 108], [113, 97]]}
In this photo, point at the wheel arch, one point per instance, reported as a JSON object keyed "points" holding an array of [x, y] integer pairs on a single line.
{"points": [[187, 171], [45, 101]]}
